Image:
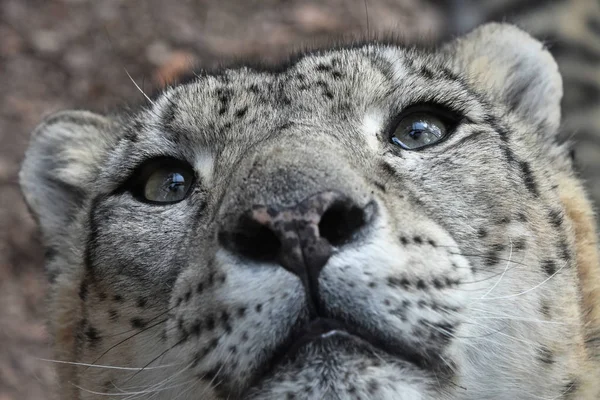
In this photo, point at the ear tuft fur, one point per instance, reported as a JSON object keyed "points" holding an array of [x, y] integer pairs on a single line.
{"points": [[60, 165], [516, 70]]}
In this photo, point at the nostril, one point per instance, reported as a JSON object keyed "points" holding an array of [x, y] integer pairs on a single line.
{"points": [[252, 239], [340, 222]]}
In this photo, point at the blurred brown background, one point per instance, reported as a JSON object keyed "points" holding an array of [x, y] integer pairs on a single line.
{"points": [[58, 54]]}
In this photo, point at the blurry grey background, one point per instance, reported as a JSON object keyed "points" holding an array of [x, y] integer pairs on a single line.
{"points": [[58, 54]]}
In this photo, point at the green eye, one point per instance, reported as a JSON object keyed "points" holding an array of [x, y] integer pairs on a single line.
{"points": [[422, 127], [163, 181]]}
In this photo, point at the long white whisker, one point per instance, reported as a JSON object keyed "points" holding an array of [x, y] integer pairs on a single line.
{"points": [[105, 366], [529, 290], [138, 88]]}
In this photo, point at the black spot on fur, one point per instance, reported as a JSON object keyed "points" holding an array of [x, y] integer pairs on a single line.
{"points": [[92, 335], [258, 308], [196, 328], [545, 309], [138, 323], [398, 282], [549, 267], [50, 254], [481, 233], [403, 240], [118, 298], [141, 302], [241, 112]]}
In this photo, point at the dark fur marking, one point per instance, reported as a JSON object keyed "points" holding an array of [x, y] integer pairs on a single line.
{"points": [[571, 388], [556, 218], [138, 323], [528, 178], [210, 322], [426, 72], [565, 252], [549, 267], [50, 253], [492, 258], [520, 244], [323, 68], [83, 290], [92, 335], [545, 355], [196, 328], [141, 302], [113, 315], [545, 309]]}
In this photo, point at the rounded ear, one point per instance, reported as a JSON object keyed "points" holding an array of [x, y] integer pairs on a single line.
{"points": [[60, 164], [514, 69]]}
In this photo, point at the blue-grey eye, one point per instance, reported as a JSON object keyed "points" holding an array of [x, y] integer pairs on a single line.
{"points": [[418, 129], [162, 180], [167, 185]]}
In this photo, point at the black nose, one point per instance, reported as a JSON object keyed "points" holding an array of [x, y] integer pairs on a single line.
{"points": [[299, 238]]}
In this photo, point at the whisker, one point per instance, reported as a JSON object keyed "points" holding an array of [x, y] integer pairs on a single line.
{"points": [[156, 358], [138, 88], [128, 338], [529, 290], [103, 366]]}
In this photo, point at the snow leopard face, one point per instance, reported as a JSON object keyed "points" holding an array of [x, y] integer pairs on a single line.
{"points": [[368, 222]]}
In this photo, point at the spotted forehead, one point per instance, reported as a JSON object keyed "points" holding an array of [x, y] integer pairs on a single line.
{"points": [[344, 94], [317, 87]]}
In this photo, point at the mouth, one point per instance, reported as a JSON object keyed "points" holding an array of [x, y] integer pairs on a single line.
{"points": [[337, 334]]}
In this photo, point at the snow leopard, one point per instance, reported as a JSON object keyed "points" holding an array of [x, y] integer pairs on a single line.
{"points": [[366, 221]]}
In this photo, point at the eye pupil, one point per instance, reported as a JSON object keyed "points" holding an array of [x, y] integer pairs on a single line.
{"points": [[415, 134]]}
